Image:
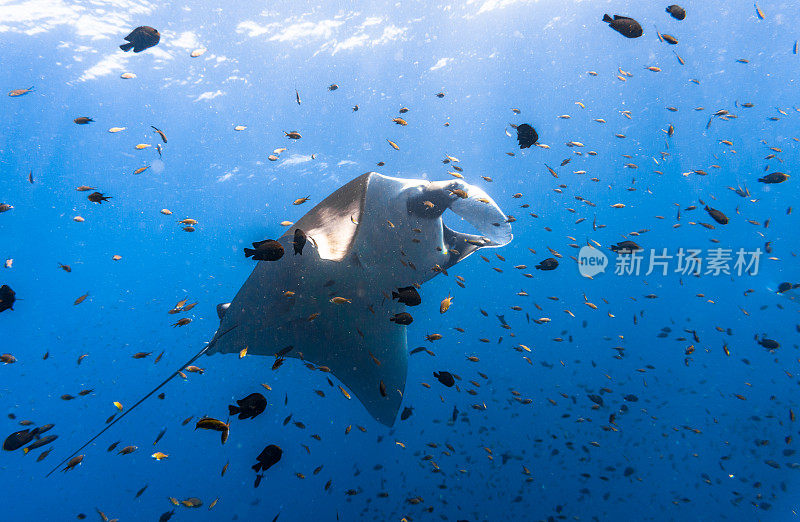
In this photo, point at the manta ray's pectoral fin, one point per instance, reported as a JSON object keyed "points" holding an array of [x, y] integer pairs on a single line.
{"points": [[221, 309], [365, 351]]}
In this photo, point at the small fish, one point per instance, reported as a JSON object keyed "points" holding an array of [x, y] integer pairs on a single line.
{"points": [[402, 318], [445, 304], [526, 136], [249, 407], [550, 263], [268, 457], [625, 247], [141, 38], [18, 439], [677, 12], [267, 250], [446, 378], [73, 462], [408, 296], [19, 92], [669, 39], [299, 241], [98, 197], [718, 216], [774, 177], [627, 27], [160, 133]]}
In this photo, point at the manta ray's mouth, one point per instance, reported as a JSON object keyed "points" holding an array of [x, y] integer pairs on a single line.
{"points": [[480, 211], [467, 201]]}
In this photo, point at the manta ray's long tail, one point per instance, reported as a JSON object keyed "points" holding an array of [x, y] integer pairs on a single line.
{"points": [[164, 382]]}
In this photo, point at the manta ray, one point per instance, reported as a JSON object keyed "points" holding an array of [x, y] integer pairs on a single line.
{"points": [[331, 304]]}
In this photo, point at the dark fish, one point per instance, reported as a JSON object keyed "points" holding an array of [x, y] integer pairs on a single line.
{"points": [[774, 177], [159, 436], [249, 407], [5, 207], [403, 318], [268, 458], [786, 286], [445, 378], [299, 241], [43, 429], [627, 27], [631, 398], [596, 399], [97, 197], [769, 344], [41, 442], [83, 120], [407, 411], [625, 247], [267, 250], [18, 439], [141, 38], [550, 263], [166, 516], [526, 136], [677, 12], [718, 216], [408, 296], [43, 455], [74, 461], [454, 416], [284, 351], [7, 298]]}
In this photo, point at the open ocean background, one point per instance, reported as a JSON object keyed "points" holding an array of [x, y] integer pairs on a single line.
{"points": [[696, 451]]}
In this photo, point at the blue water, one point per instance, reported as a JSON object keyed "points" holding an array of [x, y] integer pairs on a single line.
{"points": [[697, 452]]}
